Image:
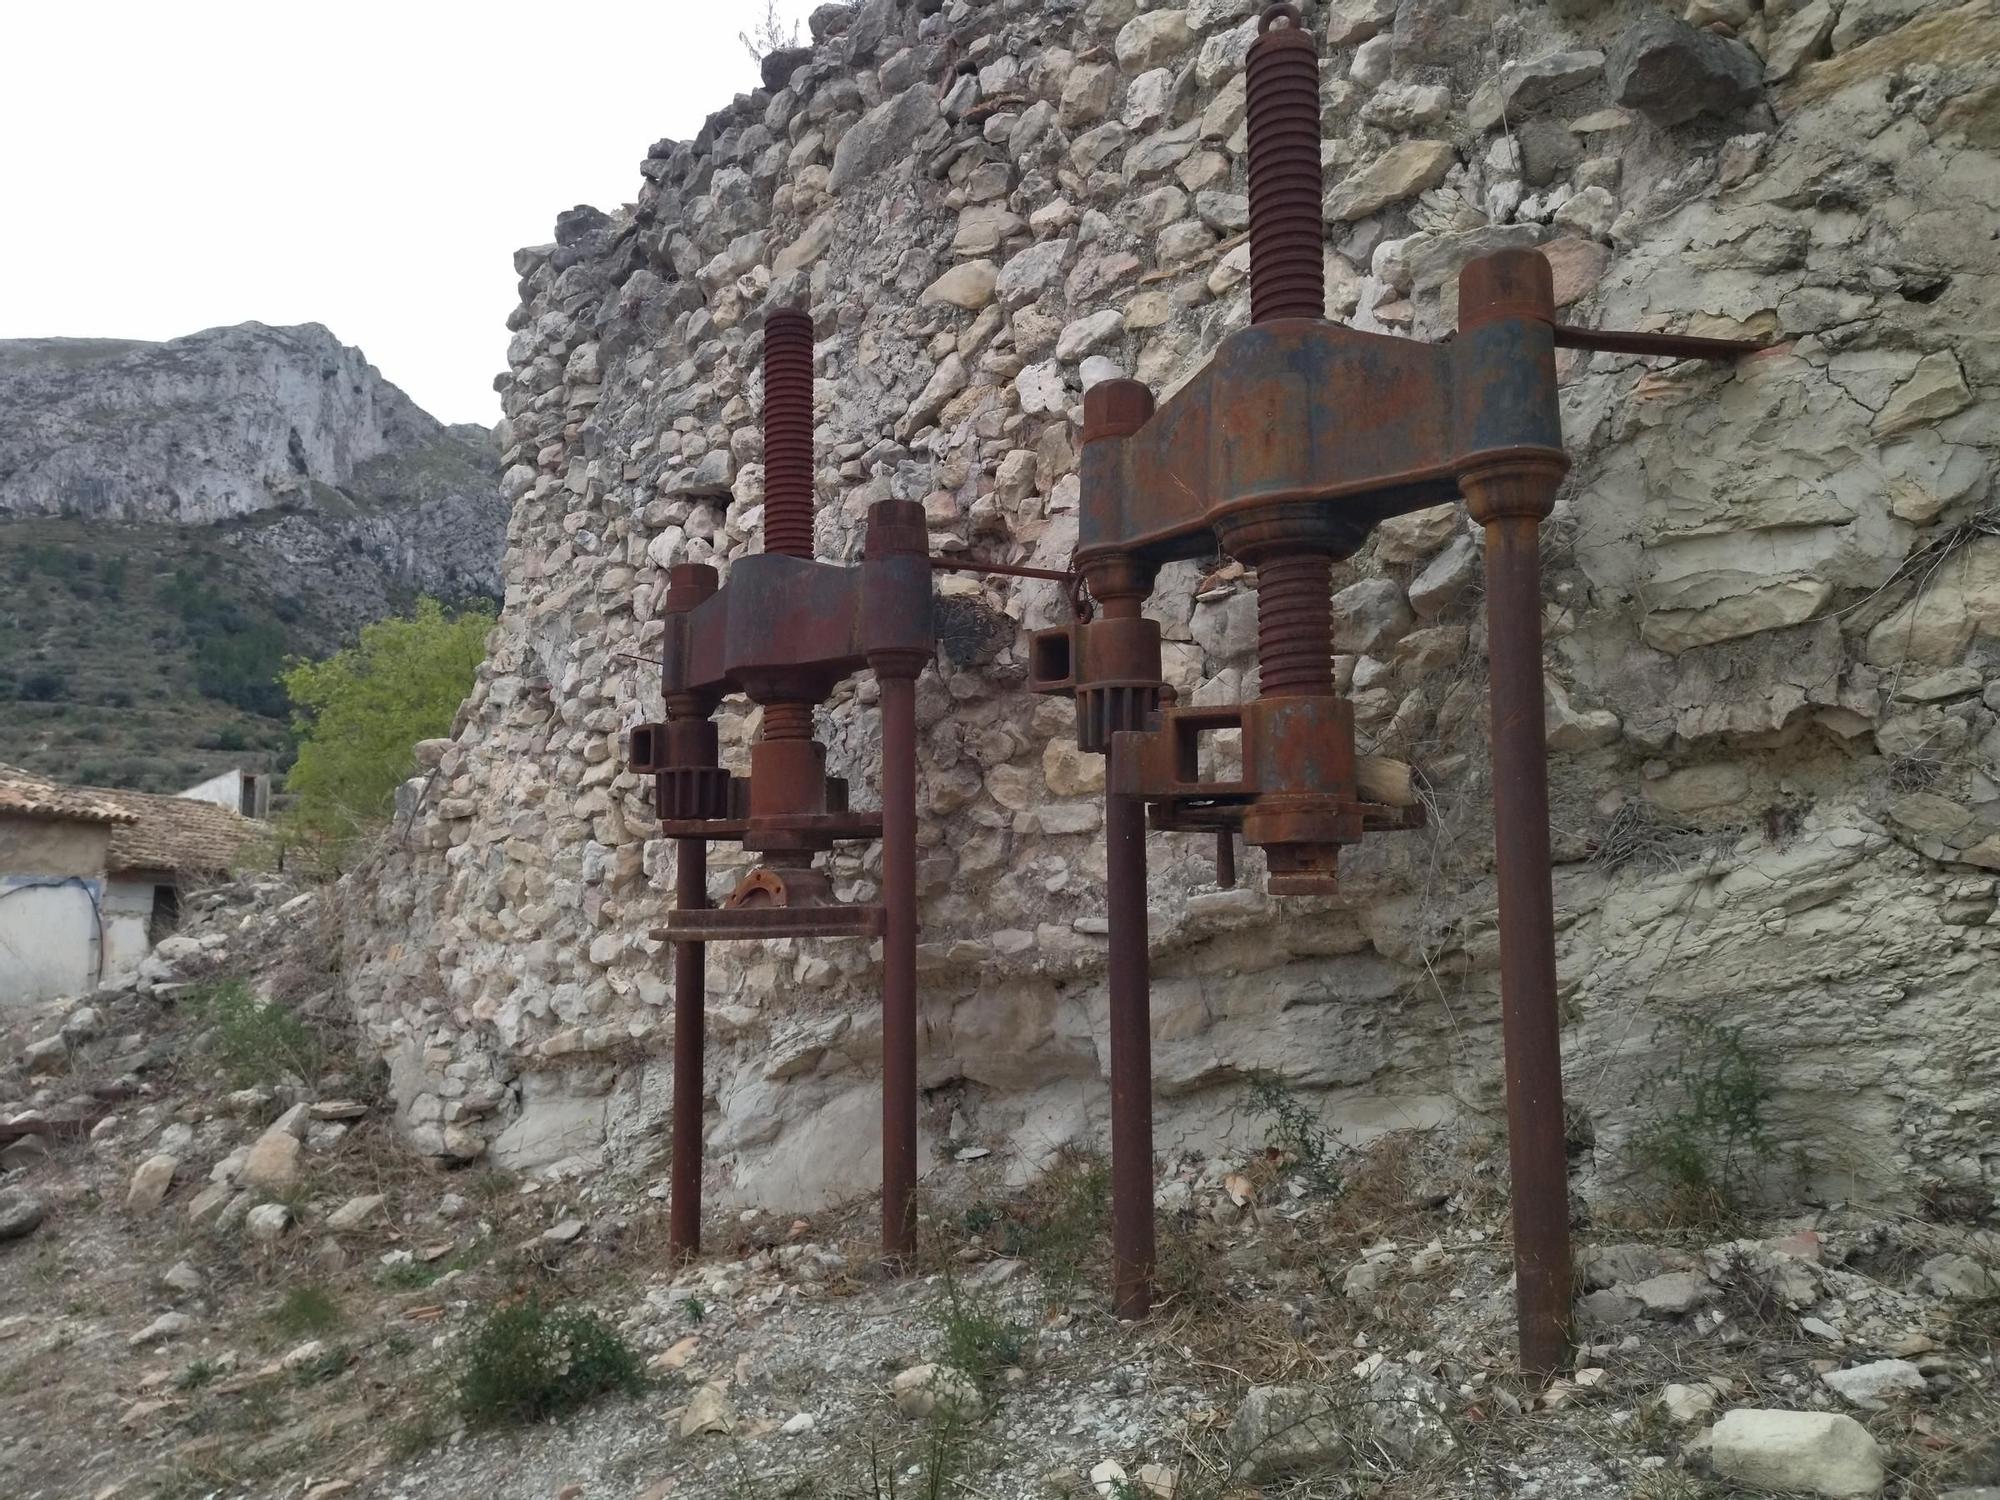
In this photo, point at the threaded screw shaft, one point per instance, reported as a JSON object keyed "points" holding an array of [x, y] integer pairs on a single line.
{"points": [[1287, 232], [1295, 625], [788, 433]]}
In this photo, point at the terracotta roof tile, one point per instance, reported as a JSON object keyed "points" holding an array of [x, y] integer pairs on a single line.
{"points": [[176, 835], [33, 796]]}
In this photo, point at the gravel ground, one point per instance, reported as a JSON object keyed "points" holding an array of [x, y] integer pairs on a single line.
{"points": [[1333, 1327]]}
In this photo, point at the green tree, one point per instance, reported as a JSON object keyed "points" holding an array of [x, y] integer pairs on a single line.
{"points": [[358, 712]]}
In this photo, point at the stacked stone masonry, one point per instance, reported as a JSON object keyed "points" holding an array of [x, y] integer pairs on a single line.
{"points": [[1773, 610]]}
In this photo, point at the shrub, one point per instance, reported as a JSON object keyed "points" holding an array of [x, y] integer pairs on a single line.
{"points": [[1295, 1132], [44, 687], [242, 666], [977, 1338], [198, 1374], [1704, 1133], [358, 712], [256, 1042], [1062, 1223], [306, 1309], [528, 1363]]}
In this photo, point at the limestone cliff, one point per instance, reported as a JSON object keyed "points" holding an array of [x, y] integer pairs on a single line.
{"points": [[233, 423], [1773, 610], [233, 497]]}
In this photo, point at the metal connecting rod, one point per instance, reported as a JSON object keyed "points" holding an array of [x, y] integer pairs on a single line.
{"points": [[1132, 1245], [899, 962]]}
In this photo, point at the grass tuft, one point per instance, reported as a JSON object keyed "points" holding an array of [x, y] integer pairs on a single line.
{"points": [[1705, 1135], [307, 1309], [529, 1363], [1061, 1224], [1305, 1146]]}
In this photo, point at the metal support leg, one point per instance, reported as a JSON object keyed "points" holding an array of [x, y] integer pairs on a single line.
{"points": [[1131, 1054], [1510, 501], [690, 1028], [899, 967]]}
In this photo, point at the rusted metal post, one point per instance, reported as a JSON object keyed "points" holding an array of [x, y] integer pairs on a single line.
{"points": [[1123, 695], [1509, 497], [690, 1034], [1131, 1031], [687, 741], [899, 964]]}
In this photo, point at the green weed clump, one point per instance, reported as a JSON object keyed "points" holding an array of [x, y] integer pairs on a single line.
{"points": [[307, 1309], [1061, 1225], [256, 1042], [1705, 1135], [978, 1339], [529, 1363]]}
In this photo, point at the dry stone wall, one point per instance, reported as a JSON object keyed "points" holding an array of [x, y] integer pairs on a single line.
{"points": [[1773, 591]]}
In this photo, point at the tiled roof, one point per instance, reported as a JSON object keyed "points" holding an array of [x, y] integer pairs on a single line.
{"points": [[33, 796], [177, 835]]}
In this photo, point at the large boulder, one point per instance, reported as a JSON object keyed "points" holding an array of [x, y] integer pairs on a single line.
{"points": [[273, 1161], [1403, 171], [1670, 72], [150, 1182], [883, 135], [20, 1212], [1814, 1452], [1284, 1430]]}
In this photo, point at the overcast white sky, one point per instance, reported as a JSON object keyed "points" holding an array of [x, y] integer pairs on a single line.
{"points": [[367, 165]]}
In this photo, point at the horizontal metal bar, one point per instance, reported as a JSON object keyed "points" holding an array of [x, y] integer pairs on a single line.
{"points": [[763, 923], [1672, 345], [1004, 570], [840, 827]]}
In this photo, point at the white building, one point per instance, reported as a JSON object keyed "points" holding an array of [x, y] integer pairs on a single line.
{"points": [[91, 879]]}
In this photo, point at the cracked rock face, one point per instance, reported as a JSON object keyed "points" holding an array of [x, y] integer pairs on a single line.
{"points": [[1769, 614]]}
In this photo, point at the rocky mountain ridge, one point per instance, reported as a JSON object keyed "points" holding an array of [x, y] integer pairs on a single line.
{"points": [[210, 427], [238, 496]]}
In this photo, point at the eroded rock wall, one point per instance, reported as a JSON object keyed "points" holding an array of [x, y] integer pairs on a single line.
{"points": [[1773, 590]]}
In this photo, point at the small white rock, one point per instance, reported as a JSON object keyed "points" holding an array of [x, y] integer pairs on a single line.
{"points": [[1109, 1479], [1871, 1386]]}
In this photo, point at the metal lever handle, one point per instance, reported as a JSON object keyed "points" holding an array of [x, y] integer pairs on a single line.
{"points": [[1673, 345]]}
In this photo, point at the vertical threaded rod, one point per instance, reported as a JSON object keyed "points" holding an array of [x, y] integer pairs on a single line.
{"points": [[787, 721], [1287, 265], [788, 433], [1295, 625]]}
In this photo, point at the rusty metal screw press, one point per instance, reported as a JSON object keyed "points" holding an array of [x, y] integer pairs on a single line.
{"points": [[1284, 451], [783, 631]]}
